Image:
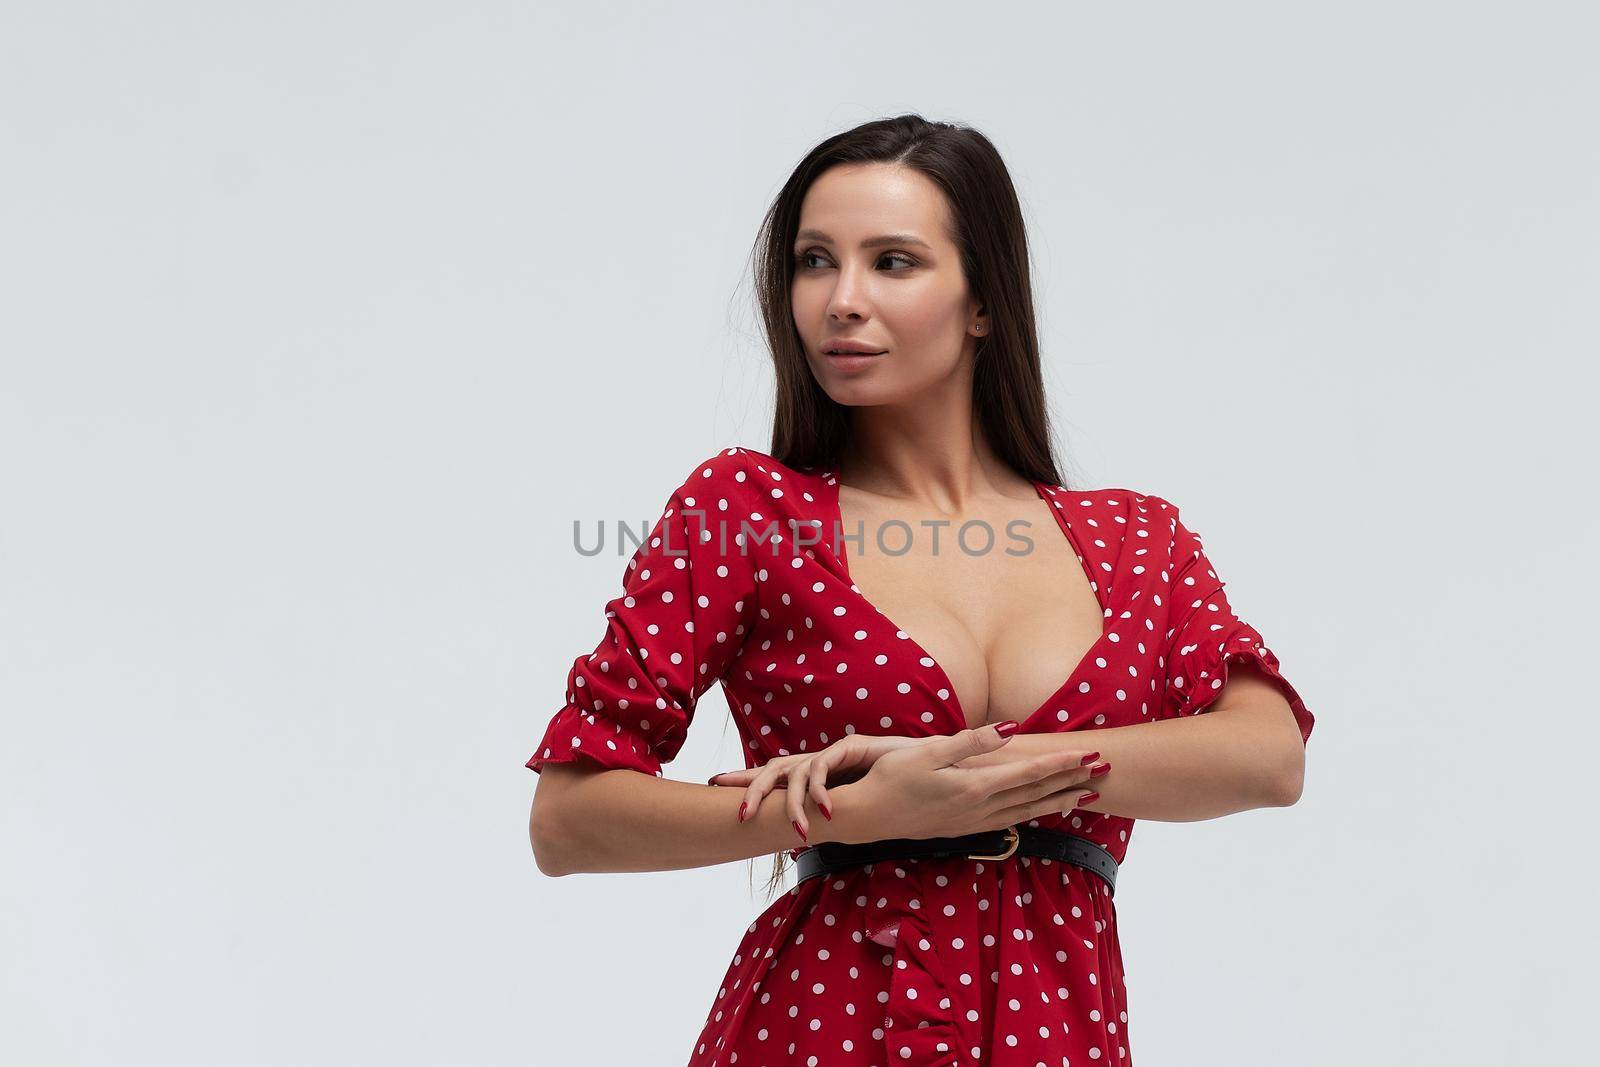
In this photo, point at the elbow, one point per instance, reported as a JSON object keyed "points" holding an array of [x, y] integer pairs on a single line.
{"points": [[545, 838], [1289, 780], [544, 856], [561, 826]]}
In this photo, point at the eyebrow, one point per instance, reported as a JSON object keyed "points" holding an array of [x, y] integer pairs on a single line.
{"points": [[870, 242]]}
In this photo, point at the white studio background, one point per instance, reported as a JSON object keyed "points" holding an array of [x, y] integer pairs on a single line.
{"points": [[323, 322]]}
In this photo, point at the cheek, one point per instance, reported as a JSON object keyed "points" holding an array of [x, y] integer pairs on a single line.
{"points": [[809, 302], [927, 303], [924, 320]]}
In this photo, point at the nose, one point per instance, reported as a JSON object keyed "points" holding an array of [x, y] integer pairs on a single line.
{"points": [[849, 299]]}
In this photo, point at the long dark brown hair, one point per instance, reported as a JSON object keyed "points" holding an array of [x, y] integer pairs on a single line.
{"points": [[810, 430]]}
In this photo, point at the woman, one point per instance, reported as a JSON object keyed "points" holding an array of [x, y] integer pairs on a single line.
{"points": [[954, 901]]}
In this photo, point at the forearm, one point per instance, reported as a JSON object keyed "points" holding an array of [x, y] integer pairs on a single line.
{"points": [[622, 820], [1181, 770]]}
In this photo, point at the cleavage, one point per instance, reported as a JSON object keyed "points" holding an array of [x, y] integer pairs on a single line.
{"points": [[1008, 630]]}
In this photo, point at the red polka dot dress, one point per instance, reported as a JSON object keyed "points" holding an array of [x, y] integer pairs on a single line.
{"points": [[1012, 963]]}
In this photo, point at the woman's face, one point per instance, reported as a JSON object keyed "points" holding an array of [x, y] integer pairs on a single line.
{"points": [[874, 265]]}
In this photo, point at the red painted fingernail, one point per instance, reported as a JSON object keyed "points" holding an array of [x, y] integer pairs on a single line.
{"points": [[1007, 728], [796, 825], [1098, 771], [743, 806], [1090, 758], [826, 812], [1088, 798], [713, 779]]}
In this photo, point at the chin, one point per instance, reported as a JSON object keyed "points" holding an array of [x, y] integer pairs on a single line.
{"points": [[866, 395]]}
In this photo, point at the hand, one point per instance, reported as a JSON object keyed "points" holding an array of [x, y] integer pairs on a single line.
{"points": [[810, 773], [921, 792]]}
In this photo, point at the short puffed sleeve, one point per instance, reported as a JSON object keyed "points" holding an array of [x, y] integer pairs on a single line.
{"points": [[1203, 633], [688, 600]]}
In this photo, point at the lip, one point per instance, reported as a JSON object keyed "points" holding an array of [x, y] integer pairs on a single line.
{"points": [[850, 348], [853, 362]]}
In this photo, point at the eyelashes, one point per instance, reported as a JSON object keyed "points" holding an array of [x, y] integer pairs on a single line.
{"points": [[800, 258]]}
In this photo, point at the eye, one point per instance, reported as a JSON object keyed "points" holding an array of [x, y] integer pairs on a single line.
{"points": [[802, 258]]}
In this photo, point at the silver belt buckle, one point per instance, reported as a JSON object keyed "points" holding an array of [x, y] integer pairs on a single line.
{"points": [[1016, 839]]}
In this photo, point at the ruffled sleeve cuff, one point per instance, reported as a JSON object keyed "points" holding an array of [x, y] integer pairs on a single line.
{"points": [[1210, 673], [575, 733]]}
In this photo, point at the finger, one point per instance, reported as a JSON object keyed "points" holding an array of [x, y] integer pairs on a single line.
{"points": [[759, 787], [857, 752], [1065, 802], [1059, 779], [795, 801], [995, 778], [732, 778], [950, 750], [816, 785]]}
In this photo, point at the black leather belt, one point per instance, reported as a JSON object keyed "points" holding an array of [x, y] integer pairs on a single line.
{"points": [[830, 856]]}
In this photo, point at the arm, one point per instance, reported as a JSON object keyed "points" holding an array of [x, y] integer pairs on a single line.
{"points": [[597, 820], [1244, 752], [690, 596], [621, 820]]}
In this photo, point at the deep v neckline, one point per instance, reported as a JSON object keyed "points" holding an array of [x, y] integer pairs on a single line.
{"points": [[952, 704]]}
